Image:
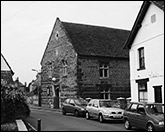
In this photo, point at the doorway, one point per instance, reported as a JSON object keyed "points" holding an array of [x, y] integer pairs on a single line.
{"points": [[158, 94]]}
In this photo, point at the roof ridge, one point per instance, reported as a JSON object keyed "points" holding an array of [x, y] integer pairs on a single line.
{"points": [[95, 26]]}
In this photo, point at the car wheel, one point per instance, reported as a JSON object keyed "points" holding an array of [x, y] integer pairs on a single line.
{"points": [[63, 112], [127, 124], [101, 118], [150, 127], [76, 113], [87, 116]]}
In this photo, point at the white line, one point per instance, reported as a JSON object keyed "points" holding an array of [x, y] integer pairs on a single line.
{"points": [[31, 126]]}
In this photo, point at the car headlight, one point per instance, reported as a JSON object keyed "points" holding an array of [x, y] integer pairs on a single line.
{"points": [[105, 112], [161, 123]]}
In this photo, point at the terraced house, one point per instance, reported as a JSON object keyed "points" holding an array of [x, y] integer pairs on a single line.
{"points": [[85, 61]]}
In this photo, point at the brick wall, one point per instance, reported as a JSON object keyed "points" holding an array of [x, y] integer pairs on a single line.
{"points": [[90, 83]]}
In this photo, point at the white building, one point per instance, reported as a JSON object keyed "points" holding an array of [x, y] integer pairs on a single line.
{"points": [[146, 52]]}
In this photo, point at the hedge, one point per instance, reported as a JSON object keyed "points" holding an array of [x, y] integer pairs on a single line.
{"points": [[13, 104]]}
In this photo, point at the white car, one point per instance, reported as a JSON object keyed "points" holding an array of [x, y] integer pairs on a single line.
{"points": [[104, 109]]}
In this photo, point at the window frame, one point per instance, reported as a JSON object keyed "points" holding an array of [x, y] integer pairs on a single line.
{"points": [[103, 69], [65, 68], [143, 91], [141, 58]]}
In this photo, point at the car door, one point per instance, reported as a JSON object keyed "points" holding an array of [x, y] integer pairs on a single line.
{"points": [[141, 117], [131, 113], [71, 106], [89, 107], [66, 105], [96, 108]]}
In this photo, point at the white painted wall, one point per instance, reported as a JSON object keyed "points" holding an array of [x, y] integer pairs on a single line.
{"points": [[151, 37], [4, 66]]}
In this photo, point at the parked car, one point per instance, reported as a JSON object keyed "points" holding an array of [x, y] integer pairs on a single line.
{"points": [[104, 109], [148, 116], [75, 106]]}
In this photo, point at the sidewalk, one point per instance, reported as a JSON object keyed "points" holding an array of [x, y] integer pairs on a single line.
{"points": [[44, 107]]}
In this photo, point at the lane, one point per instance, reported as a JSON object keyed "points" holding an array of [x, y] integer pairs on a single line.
{"points": [[55, 121]]}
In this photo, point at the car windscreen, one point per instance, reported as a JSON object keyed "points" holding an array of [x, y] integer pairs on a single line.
{"points": [[112, 104], [80, 102], [155, 108]]}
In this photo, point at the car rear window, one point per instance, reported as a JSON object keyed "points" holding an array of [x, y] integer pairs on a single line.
{"points": [[80, 102], [155, 108]]}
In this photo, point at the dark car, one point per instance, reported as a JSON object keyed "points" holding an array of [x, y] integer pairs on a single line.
{"points": [[148, 116], [75, 106]]}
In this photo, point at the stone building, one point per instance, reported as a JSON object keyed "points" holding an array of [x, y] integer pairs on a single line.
{"points": [[85, 61]]}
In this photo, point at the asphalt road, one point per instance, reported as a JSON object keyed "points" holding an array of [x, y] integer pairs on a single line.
{"points": [[55, 121]]}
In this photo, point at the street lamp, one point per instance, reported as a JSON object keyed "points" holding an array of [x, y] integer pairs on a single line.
{"points": [[39, 86], [56, 87]]}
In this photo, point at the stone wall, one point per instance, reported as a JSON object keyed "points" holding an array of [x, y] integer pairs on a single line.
{"points": [[59, 49], [82, 78], [91, 85]]}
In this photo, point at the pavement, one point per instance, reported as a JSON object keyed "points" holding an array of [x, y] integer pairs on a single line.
{"points": [[44, 107], [20, 123]]}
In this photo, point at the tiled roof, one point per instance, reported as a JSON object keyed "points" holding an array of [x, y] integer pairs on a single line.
{"points": [[96, 40]]}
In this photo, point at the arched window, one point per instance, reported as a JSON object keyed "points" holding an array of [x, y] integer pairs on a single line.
{"points": [[104, 70], [65, 67]]}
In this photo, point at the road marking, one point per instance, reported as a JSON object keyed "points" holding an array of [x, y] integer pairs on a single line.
{"points": [[31, 126]]}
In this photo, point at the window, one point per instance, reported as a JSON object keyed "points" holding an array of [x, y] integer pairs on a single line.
{"points": [[56, 51], [104, 71], [105, 94], [141, 58], [153, 18], [65, 67], [57, 35], [133, 108], [67, 101], [140, 109], [71, 101], [95, 103], [48, 91], [143, 92], [142, 88]]}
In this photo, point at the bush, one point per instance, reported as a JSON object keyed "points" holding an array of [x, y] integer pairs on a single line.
{"points": [[13, 104]]}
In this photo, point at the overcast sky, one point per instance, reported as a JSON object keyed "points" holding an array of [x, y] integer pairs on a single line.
{"points": [[26, 27]]}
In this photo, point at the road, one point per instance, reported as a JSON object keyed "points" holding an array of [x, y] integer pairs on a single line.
{"points": [[55, 121]]}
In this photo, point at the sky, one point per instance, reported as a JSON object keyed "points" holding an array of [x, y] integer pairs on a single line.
{"points": [[27, 25]]}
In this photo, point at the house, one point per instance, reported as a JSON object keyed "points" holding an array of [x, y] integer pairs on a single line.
{"points": [[85, 61], [146, 52], [20, 85], [34, 90], [6, 72]]}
